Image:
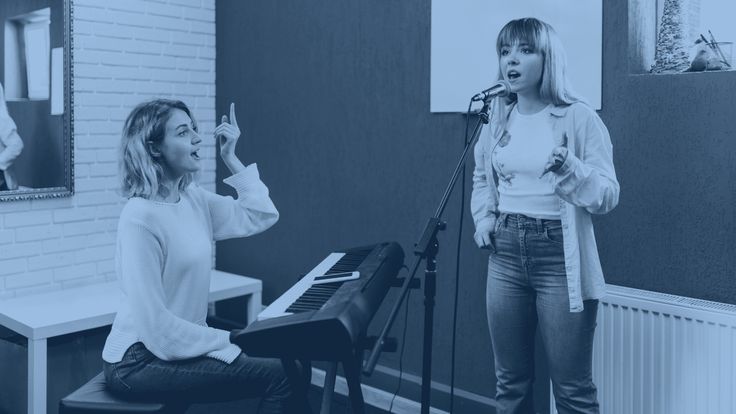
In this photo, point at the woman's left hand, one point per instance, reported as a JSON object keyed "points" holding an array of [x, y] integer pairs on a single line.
{"points": [[555, 160], [228, 133]]}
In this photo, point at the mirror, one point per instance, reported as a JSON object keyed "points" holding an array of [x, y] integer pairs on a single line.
{"points": [[36, 129]]}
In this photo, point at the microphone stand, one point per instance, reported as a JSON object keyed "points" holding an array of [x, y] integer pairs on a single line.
{"points": [[426, 249]]}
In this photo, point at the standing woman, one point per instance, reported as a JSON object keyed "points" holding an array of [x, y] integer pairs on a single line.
{"points": [[159, 343], [542, 169]]}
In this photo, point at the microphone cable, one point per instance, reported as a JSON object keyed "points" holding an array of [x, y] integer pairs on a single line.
{"points": [[457, 264], [403, 342], [457, 288]]}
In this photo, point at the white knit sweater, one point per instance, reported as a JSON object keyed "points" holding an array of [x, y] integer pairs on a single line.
{"points": [[163, 262]]}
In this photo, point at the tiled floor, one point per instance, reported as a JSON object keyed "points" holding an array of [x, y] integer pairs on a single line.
{"points": [[339, 406]]}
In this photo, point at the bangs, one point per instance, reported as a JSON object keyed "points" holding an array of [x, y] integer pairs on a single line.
{"points": [[521, 31]]}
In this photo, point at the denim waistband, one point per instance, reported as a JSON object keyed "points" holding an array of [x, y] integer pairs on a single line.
{"points": [[520, 220]]}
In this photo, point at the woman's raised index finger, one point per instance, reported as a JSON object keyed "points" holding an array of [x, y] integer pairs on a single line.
{"points": [[232, 114]]}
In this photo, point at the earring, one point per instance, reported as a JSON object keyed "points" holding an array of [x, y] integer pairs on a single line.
{"points": [[152, 149]]}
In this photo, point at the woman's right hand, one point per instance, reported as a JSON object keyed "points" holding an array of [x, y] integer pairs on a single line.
{"points": [[228, 133], [483, 232]]}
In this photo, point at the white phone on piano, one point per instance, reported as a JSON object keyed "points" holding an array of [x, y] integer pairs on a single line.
{"points": [[317, 276]]}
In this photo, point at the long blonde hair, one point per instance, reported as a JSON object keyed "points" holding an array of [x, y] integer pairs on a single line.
{"points": [[145, 127]]}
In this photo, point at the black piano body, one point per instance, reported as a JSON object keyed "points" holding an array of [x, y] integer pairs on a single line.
{"points": [[331, 332]]}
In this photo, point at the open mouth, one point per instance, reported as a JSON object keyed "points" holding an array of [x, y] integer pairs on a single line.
{"points": [[195, 155], [512, 74]]}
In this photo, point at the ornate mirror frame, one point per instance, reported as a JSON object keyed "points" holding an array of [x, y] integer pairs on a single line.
{"points": [[62, 186]]}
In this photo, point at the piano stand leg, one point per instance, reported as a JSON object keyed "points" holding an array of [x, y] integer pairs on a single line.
{"points": [[352, 375], [329, 388], [297, 380]]}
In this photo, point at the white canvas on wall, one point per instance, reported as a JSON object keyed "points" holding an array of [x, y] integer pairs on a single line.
{"points": [[463, 51], [37, 48], [57, 81]]}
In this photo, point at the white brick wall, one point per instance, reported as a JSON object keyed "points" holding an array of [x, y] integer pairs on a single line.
{"points": [[124, 52]]}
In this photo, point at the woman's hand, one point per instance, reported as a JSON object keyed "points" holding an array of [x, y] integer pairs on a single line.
{"points": [[483, 233], [227, 133], [557, 157], [555, 160]]}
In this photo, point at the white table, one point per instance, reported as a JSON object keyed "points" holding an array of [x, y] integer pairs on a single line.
{"points": [[46, 315]]}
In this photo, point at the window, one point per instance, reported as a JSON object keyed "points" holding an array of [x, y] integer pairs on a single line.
{"points": [[675, 36], [28, 56]]}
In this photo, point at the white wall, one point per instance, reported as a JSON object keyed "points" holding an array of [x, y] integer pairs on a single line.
{"points": [[124, 52], [463, 56]]}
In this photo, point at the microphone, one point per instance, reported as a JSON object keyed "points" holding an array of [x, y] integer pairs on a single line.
{"points": [[500, 88]]}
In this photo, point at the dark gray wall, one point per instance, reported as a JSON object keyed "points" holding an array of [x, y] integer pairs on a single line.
{"points": [[333, 99], [675, 227]]}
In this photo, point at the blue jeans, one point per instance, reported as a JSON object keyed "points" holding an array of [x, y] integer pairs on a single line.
{"points": [[526, 289], [142, 375]]}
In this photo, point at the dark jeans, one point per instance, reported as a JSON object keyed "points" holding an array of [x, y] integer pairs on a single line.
{"points": [[140, 374], [527, 289]]}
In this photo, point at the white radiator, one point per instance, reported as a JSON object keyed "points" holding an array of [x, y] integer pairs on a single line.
{"points": [[656, 353]]}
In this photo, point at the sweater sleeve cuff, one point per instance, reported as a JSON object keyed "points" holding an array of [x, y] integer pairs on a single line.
{"points": [[228, 353], [244, 178]]}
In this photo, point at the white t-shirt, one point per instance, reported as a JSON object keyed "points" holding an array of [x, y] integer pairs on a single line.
{"points": [[519, 160]]}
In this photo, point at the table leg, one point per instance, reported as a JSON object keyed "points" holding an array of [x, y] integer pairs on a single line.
{"points": [[254, 306], [37, 376]]}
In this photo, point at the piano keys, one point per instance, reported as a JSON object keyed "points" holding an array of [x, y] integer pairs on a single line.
{"points": [[324, 314]]}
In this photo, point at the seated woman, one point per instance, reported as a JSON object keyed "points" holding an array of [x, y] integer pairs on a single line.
{"points": [[159, 343], [10, 146]]}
